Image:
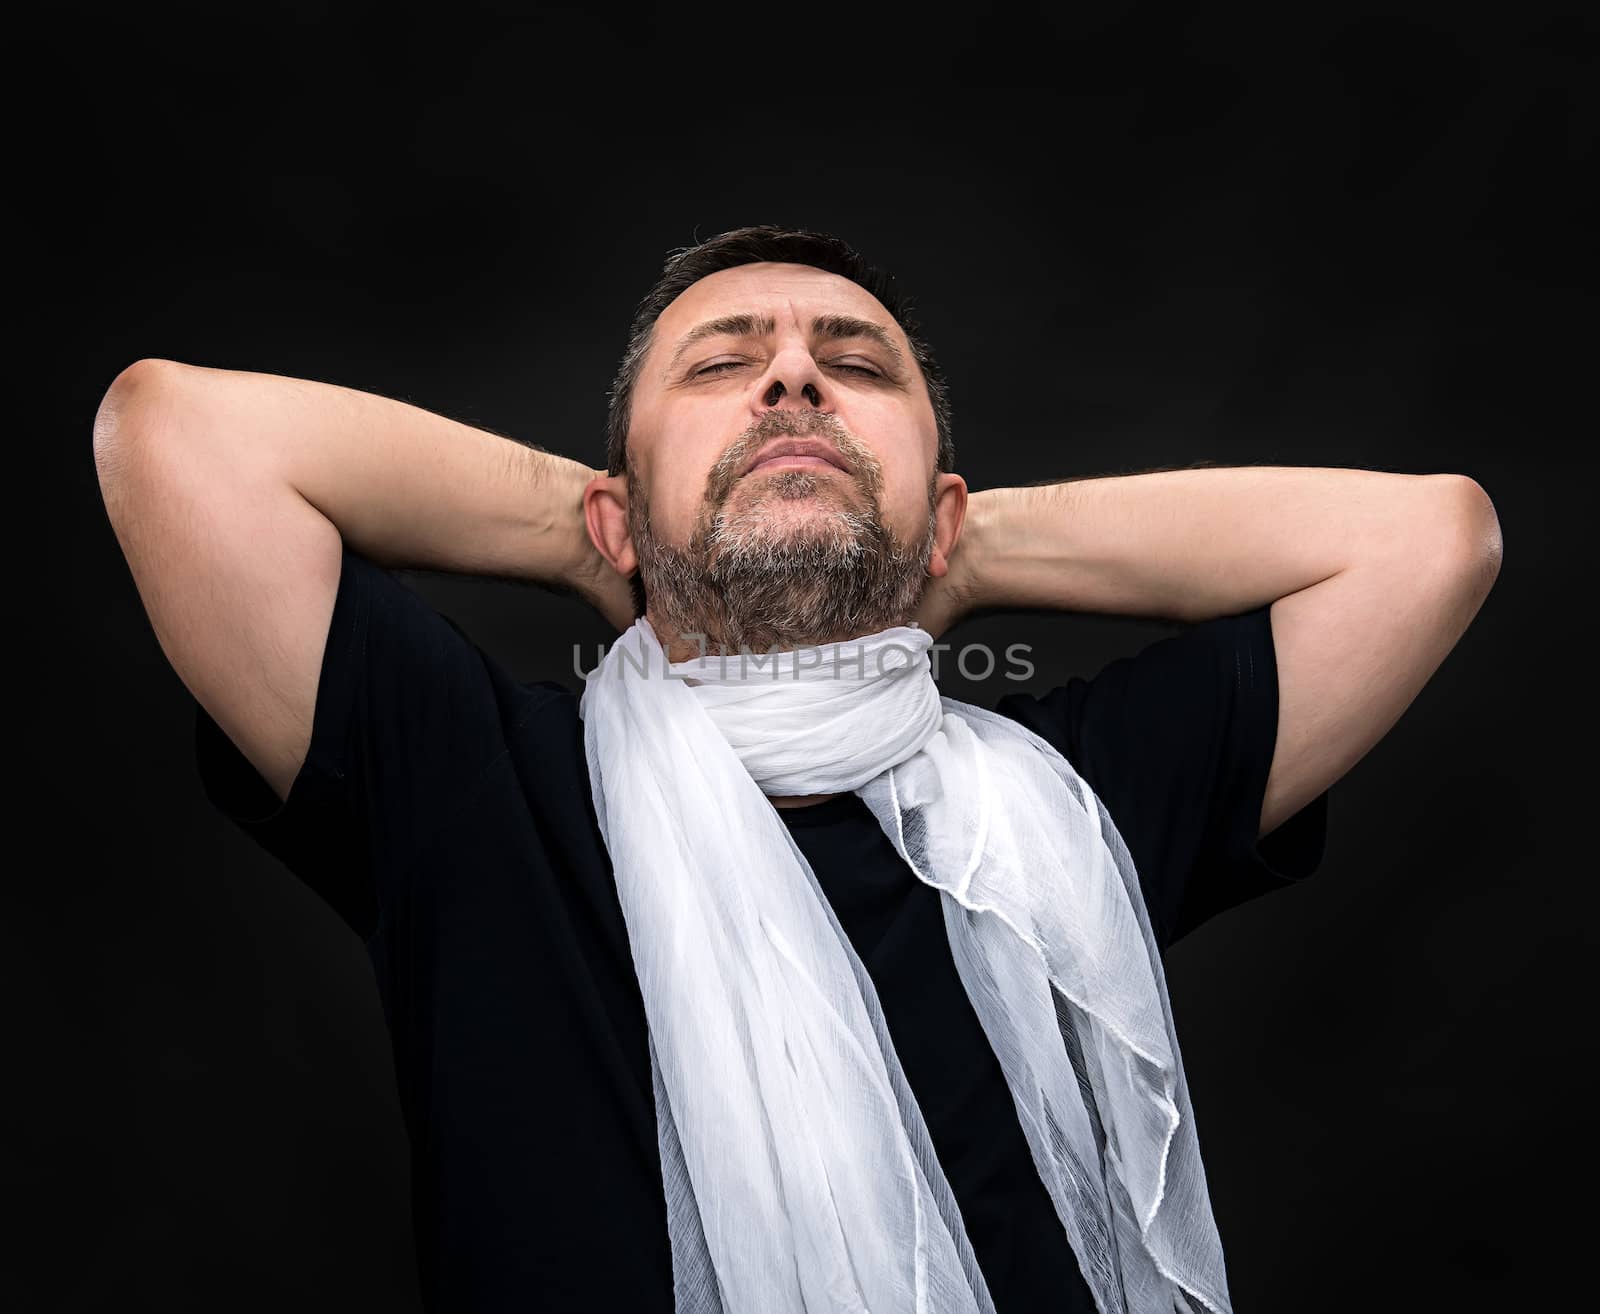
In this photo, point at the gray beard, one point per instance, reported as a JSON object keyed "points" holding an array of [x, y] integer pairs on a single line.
{"points": [[744, 582]]}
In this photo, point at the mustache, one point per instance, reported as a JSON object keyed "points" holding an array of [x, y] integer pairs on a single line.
{"points": [[790, 424]]}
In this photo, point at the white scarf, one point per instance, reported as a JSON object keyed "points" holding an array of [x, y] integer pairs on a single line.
{"points": [[798, 1170]]}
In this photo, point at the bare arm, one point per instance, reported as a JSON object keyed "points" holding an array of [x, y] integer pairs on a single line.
{"points": [[232, 494], [1372, 578]]}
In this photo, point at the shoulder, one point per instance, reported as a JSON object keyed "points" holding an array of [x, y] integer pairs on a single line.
{"points": [[1169, 693], [1177, 741]]}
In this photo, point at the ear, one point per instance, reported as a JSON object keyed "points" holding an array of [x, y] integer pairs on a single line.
{"points": [[950, 514], [605, 515]]}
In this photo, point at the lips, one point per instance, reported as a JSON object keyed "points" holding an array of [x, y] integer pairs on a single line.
{"points": [[816, 447]]}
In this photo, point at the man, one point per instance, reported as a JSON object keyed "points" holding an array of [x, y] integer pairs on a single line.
{"points": [[779, 475]]}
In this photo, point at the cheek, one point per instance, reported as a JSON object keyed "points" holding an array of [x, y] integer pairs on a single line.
{"points": [[905, 458], [897, 434], [909, 517], [687, 448]]}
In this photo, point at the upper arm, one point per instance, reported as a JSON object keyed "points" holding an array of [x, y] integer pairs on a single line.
{"points": [[236, 570], [339, 716], [1355, 649]]}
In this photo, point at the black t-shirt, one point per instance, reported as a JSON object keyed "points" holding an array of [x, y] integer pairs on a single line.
{"points": [[443, 810]]}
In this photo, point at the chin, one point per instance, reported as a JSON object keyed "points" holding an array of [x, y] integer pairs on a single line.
{"points": [[794, 509], [802, 489], [791, 531]]}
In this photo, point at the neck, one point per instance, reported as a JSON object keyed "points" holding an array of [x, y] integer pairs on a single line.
{"points": [[685, 640], [704, 642], [799, 800]]}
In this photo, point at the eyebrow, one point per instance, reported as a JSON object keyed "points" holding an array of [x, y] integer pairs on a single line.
{"points": [[826, 328]]}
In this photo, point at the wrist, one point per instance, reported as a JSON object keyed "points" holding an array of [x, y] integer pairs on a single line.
{"points": [[971, 564], [586, 571], [562, 552]]}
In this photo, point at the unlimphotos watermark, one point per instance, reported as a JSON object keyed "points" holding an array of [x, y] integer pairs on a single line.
{"points": [[976, 662]]}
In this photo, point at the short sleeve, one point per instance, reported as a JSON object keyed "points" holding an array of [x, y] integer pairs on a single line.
{"points": [[408, 710], [1178, 742]]}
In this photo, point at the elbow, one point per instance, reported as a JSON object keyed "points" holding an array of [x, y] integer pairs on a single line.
{"points": [[1470, 531], [131, 407]]}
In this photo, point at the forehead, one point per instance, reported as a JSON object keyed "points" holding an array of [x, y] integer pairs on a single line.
{"points": [[784, 291]]}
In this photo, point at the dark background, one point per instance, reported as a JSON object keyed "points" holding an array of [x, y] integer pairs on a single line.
{"points": [[1314, 236]]}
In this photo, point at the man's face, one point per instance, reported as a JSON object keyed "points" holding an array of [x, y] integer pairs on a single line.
{"points": [[769, 354], [698, 396]]}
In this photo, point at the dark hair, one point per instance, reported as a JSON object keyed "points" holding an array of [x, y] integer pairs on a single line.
{"points": [[745, 246]]}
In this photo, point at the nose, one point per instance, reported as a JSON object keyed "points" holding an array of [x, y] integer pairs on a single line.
{"points": [[792, 380], [777, 390]]}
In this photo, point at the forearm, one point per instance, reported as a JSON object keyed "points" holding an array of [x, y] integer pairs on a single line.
{"points": [[1191, 544], [405, 487]]}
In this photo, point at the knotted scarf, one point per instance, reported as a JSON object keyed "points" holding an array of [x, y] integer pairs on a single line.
{"points": [[799, 1172]]}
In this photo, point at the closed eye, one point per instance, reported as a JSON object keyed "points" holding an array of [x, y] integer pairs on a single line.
{"points": [[735, 364]]}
